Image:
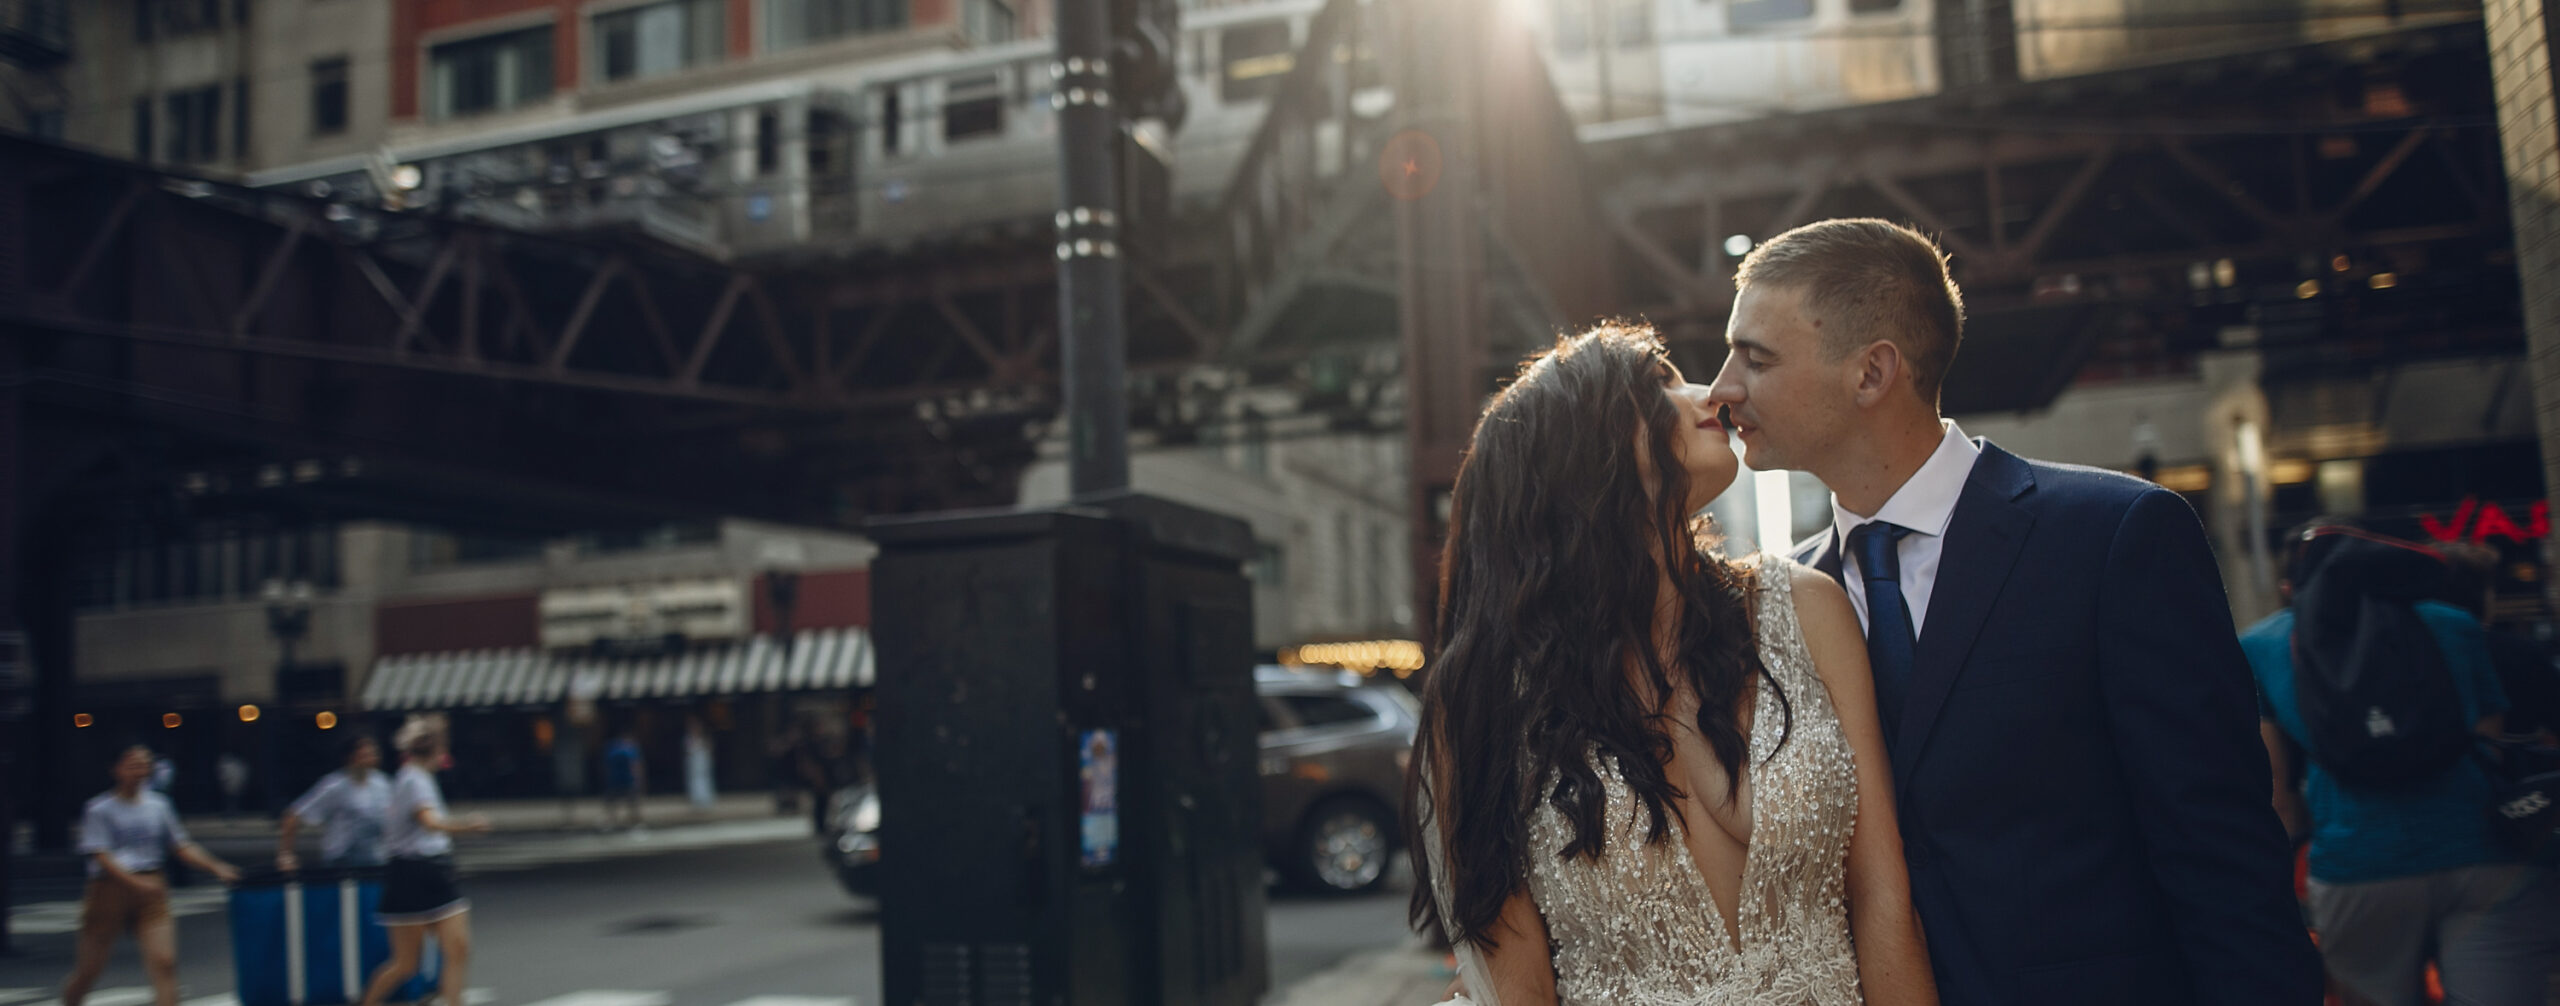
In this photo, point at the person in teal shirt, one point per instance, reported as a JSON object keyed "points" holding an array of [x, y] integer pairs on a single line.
{"points": [[2395, 874]]}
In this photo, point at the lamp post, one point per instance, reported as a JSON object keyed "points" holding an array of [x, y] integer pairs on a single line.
{"points": [[289, 619]]}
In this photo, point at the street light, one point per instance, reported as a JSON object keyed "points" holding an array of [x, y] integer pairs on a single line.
{"points": [[289, 619]]}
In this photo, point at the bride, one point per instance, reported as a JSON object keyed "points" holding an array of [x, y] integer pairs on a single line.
{"points": [[1646, 776]]}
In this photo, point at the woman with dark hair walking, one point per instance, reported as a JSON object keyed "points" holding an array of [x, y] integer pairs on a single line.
{"points": [[351, 806], [1646, 774], [419, 893]]}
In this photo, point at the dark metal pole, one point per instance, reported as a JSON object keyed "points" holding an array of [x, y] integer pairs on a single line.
{"points": [[1090, 312]]}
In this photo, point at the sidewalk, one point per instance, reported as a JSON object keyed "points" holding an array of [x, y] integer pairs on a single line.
{"points": [[1408, 975], [584, 813], [248, 834]]}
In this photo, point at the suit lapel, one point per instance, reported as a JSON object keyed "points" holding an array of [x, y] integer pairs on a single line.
{"points": [[1984, 538], [1822, 552]]}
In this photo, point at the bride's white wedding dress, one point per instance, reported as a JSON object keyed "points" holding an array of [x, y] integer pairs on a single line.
{"points": [[1638, 927]]}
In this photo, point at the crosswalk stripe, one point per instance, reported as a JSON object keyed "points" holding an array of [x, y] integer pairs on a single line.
{"points": [[8, 997], [225, 999], [119, 997], [607, 997], [795, 1001], [54, 918]]}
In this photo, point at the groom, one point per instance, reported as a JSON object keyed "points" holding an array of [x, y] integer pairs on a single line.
{"points": [[2074, 736]]}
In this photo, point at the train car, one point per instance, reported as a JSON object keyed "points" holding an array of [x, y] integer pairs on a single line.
{"points": [[884, 155]]}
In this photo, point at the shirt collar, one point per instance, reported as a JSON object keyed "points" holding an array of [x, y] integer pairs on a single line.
{"points": [[1927, 501]]}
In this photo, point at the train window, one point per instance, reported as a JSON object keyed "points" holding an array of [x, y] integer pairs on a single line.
{"points": [[826, 143], [768, 143], [1256, 58], [1873, 6], [893, 120], [972, 106], [1746, 15]]}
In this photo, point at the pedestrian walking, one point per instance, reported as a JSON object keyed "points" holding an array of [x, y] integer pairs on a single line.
{"points": [[353, 808], [128, 833], [781, 769], [233, 775], [697, 764], [2387, 690], [2524, 669], [623, 773], [420, 895]]}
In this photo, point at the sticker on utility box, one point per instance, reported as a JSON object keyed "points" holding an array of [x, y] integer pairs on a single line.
{"points": [[1099, 756]]}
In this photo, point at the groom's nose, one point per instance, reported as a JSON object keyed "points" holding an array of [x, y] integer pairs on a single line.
{"points": [[1727, 389]]}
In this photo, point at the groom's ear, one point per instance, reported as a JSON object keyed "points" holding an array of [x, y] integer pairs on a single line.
{"points": [[1881, 366]]}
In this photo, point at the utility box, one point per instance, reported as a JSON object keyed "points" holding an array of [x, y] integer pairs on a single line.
{"points": [[1067, 750]]}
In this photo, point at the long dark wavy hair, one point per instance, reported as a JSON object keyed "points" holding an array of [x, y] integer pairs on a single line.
{"points": [[1548, 586]]}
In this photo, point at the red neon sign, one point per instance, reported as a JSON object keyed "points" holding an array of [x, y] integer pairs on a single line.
{"points": [[2480, 522]]}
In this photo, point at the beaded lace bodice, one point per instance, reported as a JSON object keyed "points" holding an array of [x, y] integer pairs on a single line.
{"points": [[1637, 927]]}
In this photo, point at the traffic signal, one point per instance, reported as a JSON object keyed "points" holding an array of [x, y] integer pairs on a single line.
{"points": [[1145, 79]]}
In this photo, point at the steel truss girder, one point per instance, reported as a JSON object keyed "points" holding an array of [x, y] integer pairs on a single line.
{"points": [[2028, 210], [208, 266]]}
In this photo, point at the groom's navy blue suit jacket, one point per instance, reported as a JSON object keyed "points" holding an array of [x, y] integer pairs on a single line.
{"points": [[2083, 794]]}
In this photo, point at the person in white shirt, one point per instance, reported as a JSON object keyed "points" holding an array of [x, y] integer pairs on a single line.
{"points": [[419, 892], [352, 807], [127, 833]]}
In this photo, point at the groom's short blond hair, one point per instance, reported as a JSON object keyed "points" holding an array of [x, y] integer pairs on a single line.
{"points": [[1869, 279]]}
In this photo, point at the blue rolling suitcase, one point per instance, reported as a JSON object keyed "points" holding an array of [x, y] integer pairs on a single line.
{"points": [[309, 939]]}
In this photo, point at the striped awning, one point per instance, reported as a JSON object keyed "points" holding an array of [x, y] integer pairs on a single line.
{"points": [[818, 659]]}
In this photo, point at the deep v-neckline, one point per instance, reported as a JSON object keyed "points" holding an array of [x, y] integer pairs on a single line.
{"points": [[1731, 928]]}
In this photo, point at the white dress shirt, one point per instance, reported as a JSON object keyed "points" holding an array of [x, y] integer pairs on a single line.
{"points": [[1924, 504]]}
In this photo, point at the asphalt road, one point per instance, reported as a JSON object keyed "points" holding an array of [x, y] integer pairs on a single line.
{"points": [[753, 923]]}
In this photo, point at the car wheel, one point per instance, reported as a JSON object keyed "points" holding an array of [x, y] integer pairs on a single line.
{"points": [[1343, 846]]}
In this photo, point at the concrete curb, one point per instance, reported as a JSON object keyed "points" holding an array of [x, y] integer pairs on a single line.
{"points": [[1409, 975]]}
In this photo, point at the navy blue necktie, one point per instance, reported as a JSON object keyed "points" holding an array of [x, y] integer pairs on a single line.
{"points": [[1890, 638]]}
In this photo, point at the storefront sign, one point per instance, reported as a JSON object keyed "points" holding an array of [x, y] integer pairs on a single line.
{"points": [[635, 618], [2480, 522]]}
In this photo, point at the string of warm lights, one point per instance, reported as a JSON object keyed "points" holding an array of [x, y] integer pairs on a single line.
{"points": [[1403, 655]]}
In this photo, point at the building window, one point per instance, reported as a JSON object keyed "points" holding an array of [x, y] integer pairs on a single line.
{"points": [[972, 107], [988, 22], [329, 97], [1573, 26], [493, 73], [195, 122], [142, 148], [1256, 57], [790, 24], [1635, 23], [1746, 15], [659, 38], [152, 18]]}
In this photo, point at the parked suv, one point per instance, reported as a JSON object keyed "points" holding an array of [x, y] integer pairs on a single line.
{"points": [[1334, 752]]}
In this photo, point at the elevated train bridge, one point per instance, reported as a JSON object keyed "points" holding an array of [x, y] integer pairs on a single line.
{"points": [[174, 347]]}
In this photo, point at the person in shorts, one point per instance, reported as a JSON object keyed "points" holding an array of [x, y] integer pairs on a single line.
{"points": [[419, 891], [128, 833], [352, 806]]}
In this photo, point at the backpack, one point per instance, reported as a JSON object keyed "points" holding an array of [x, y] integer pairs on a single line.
{"points": [[2377, 699]]}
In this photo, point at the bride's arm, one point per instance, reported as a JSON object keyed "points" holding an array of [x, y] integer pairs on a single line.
{"points": [[1519, 968], [1522, 972], [1893, 957]]}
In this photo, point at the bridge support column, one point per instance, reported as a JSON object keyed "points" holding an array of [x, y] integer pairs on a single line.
{"points": [[2520, 54]]}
